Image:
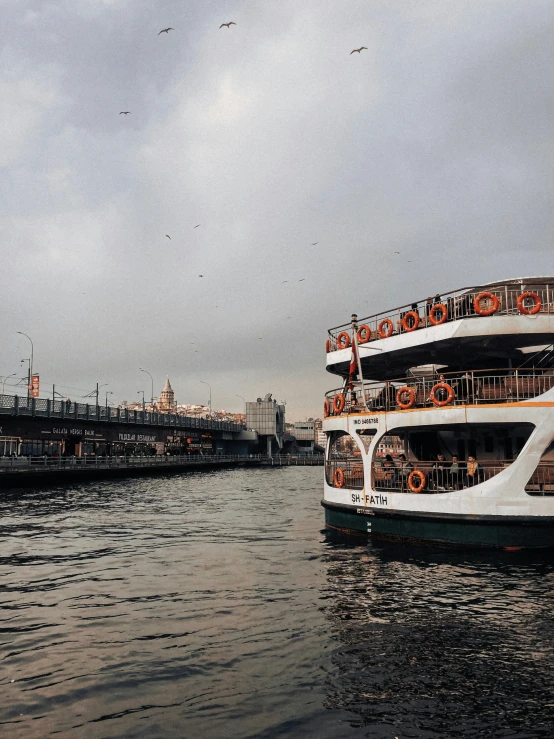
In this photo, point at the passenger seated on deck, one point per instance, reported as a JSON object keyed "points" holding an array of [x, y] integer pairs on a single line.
{"points": [[389, 469], [440, 473], [455, 473], [403, 472], [473, 472]]}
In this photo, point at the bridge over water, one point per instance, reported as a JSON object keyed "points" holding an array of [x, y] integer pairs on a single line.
{"points": [[40, 426]]}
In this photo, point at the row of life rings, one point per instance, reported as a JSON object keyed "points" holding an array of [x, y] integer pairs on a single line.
{"points": [[417, 480], [339, 401], [437, 315], [406, 396]]}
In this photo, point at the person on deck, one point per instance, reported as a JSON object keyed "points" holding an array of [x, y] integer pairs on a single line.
{"points": [[473, 472]]}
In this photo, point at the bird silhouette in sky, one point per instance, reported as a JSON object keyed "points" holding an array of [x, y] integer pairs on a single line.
{"points": [[200, 275], [284, 281], [125, 112], [198, 224], [358, 50], [302, 280], [166, 30], [396, 252], [228, 25], [315, 243], [167, 236]]}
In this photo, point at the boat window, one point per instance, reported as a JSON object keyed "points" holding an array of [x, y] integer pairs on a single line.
{"points": [[345, 455]]}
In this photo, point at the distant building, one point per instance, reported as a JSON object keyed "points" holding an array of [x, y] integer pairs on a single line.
{"points": [[267, 417], [320, 435], [166, 402]]}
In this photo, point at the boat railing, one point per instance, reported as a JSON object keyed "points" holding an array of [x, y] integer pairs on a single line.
{"points": [[444, 389], [351, 474], [541, 481], [430, 476], [498, 301]]}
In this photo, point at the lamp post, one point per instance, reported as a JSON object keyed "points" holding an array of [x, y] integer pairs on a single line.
{"points": [[30, 360], [152, 398], [138, 393], [208, 384], [244, 401], [7, 377], [108, 392]]}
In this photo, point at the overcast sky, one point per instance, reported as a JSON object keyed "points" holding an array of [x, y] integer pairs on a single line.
{"points": [[436, 142]]}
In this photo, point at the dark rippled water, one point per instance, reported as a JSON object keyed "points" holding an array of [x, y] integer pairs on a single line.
{"points": [[213, 605]]}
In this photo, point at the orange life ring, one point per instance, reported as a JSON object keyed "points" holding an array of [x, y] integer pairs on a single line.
{"points": [[338, 403], [486, 311], [343, 340], [411, 314], [450, 394], [381, 328], [327, 346], [529, 311], [422, 481], [364, 334], [410, 402], [326, 409], [444, 314], [338, 478]]}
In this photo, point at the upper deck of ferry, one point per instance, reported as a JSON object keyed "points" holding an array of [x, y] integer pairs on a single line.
{"points": [[485, 326]]}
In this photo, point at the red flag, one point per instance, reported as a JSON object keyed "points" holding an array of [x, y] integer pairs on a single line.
{"points": [[353, 363]]}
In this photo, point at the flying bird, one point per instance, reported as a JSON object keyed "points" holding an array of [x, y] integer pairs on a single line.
{"points": [[167, 236], [396, 252], [284, 281], [125, 112], [200, 275], [358, 50], [302, 280], [166, 30], [231, 23], [315, 243], [198, 224]]}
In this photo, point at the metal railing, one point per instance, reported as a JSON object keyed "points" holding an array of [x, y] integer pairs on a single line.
{"points": [[438, 477], [542, 480], [22, 463], [25, 463], [458, 304], [352, 473], [474, 387], [66, 410]]}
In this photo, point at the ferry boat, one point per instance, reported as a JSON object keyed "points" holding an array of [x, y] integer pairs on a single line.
{"points": [[443, 427]]}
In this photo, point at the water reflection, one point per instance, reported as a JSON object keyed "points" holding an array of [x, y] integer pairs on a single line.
{"points": [[441, 643]]}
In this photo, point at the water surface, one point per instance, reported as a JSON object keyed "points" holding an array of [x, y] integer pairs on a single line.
{"points": [[214, 605]]}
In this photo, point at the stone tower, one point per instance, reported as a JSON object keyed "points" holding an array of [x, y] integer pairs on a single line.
{"points": [[166, 403]]}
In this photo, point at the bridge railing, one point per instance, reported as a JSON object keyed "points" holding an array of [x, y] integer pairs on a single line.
{"points": [[16, 405]]}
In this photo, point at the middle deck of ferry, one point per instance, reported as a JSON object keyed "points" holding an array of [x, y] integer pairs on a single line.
{"points": [[446, 371]]}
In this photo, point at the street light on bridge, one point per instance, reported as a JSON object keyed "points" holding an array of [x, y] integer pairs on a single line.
{"points": [[138, 393], [30, 361], [208, 384], [152, 398], [7, 377]]}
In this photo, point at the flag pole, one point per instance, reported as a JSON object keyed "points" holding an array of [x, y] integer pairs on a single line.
{"points": [[355, 343]]}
